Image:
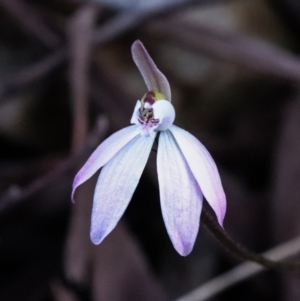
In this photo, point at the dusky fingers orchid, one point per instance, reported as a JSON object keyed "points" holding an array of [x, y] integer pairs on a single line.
{"points": [[186, 171]]}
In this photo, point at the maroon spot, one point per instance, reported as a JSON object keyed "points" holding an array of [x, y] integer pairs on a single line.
{"points": [[150, 98]]}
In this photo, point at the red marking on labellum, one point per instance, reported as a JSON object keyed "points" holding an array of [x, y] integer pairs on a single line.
{"points": [[150, 98], [145, 115]]}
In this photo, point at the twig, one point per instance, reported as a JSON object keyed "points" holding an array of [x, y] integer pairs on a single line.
{"points": [[261, 57], [113, 29], [240, 273], [239, 250], [289, 11], [129, 20], [28, 19], [81, 30], [114, 100], [33, 74], [10, 200], [241, 50]]}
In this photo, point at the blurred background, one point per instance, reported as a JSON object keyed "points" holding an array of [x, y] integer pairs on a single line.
{"points": [[67, 81]]}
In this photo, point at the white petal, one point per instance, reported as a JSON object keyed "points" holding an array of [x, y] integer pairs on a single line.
{"points": [[134, 118], [180, 195], [204, 169], [116, 185], [103, 153], [152, 76], [165, 112]]}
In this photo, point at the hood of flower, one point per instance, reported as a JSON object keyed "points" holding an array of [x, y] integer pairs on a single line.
{"points": [[153, 113]]}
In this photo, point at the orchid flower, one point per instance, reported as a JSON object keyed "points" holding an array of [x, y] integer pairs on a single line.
{"points": [[186, 171]]}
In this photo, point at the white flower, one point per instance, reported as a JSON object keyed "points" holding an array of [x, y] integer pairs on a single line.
{"points": [[186, 171]]}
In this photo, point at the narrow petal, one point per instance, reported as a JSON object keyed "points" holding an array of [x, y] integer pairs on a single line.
{"points": [[116, 185], [180, 195], [204, 169], [152, 76], [103, 153]]}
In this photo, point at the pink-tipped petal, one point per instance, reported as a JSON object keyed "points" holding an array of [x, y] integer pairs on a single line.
{"points": [[204, 169], [103, 153], [116, 185], [152, 76], [180, 195]]}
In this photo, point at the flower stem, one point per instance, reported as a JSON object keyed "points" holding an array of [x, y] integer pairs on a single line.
{"points": [[239, 250]]}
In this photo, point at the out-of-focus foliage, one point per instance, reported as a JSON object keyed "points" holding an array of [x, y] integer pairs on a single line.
{"points": [[234, 71]]}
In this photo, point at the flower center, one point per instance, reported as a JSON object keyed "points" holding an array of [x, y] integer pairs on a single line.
{"points": [[153, 113], [145, 114]]}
